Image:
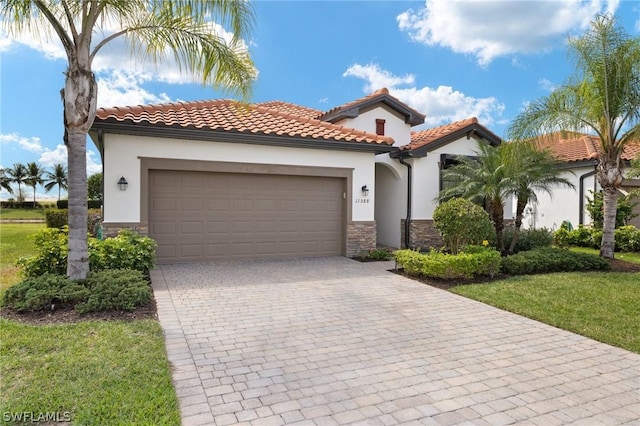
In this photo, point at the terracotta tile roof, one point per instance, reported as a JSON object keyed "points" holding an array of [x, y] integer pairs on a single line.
{"points": [[288, 108], [380, 95], [275, 119], [572, 147], [438, 134]]}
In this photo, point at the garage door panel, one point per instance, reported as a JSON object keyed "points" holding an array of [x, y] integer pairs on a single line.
{"points": [[199, 216]]}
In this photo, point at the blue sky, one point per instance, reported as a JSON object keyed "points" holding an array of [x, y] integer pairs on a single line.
{"points": [[448, 59]]}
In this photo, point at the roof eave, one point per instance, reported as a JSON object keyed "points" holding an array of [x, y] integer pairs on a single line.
{"points": [[412, 117], [468, 131], [191, 133]]}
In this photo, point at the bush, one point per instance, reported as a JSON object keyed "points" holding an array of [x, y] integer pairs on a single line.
{"points": [[476, 261], [128, 250], [379, 254], [624, 211], [115, 290], [92, 204], [548, 259], [461, 222], [60, 217], [43, 292], [62, 204], [50, 254], [529, 239], [627, 239]]}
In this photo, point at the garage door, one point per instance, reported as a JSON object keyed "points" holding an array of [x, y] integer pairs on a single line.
{"points": [[201, 216]]}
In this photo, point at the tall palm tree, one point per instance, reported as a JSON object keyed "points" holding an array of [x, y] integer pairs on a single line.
{"points": [[18, 174], [34, 177], [57, 177], [5, 181], [151, 28], [483, 179], [603, 97], [531, 171]]}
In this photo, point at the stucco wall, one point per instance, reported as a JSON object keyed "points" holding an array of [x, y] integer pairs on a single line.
{"points": [[395, 126], [391, 199], [550, 212], [122, 153]]}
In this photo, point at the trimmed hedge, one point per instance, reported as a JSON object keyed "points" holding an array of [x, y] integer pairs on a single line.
{"points": [[474, 261], [92, 204], [59, 218], [627, 238], [101, 291], [550, 259]]}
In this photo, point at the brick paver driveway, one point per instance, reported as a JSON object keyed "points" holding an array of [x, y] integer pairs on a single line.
{"points": [[334, 341]]}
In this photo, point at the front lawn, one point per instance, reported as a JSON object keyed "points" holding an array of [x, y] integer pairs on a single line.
{"points": [[604, 306], [626, 256], [98, 372], [22, 213], [16, 240]]}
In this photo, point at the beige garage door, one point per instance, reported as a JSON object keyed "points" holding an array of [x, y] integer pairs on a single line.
{"points": [[200, 216]]}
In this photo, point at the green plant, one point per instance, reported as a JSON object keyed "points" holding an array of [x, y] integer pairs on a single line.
{"points": [[56, 218], [628, 239], [43, 292], [117, 289], [624, 213], [477, 261], [549, 259], [50, 254], [530, 238], [94, 187], [461, 222], [128, 250], [380, 254]]}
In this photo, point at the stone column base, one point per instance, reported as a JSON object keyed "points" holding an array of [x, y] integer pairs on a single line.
{"points": [[361, 237]]}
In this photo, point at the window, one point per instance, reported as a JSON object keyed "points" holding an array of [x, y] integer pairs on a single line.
{"points": [[380, 126]]}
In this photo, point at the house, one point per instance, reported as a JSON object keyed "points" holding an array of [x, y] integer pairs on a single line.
{"points": [[578, 154], [223, 180]]}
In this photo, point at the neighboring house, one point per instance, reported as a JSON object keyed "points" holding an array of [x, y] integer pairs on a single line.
{"points": [[222, 180], [579, 155]]}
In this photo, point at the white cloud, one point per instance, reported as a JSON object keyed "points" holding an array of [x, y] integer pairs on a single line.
{"points": [[441, 105], [49, 157], [547, 85], [376, 77], [491, 29], [125, 88], [31, 144]]}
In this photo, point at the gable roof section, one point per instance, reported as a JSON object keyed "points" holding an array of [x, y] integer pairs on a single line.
{"points": [[289, 108], [430, 139], [274, 123], [354, 108], [577, 147]]}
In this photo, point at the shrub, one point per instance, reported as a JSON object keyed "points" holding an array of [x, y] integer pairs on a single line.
{"points": [[461, 222], [62, 204], [50, 254], [43, 292], [128, 250], [530, 238], [627, 238], [624, 212], [56, 218], [379, 254], [115, 289], [477, 261], [548, 259], [94, 204]]}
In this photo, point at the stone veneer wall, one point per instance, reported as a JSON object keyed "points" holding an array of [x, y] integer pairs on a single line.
{"points": [[112, 229], [422, 234], [361, 237]]}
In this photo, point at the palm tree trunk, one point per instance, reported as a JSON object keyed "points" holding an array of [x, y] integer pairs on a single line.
{"points": [[520, 206], [497, 215], [34, 196], [78, 257], [607, 245]]}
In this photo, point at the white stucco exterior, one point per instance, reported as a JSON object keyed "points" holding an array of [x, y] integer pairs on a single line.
{"points": [[122, 158], [391, 199], [395, 125]]}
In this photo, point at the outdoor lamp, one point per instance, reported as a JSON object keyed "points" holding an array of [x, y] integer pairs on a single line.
{"points": [[365, 190], [122, 184]]}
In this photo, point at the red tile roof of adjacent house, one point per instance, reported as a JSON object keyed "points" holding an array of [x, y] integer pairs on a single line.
{"points": [[271, 118], [436, 134], [571, 147]]}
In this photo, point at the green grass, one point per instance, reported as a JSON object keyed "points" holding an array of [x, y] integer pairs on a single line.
{"points": [[16, 240], [101, 373], [22, 213], [629, 257], [604, 306]]}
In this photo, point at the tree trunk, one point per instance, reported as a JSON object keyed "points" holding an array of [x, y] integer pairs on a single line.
{"points": [[497, 214], [610, 177], [34, 196], [79, 96], [520, 206]]}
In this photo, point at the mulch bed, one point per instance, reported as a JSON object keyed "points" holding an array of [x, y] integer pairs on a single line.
{"points": [[617, 265], [65, 314]]}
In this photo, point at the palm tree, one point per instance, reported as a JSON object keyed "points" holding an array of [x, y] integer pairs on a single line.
{"points": [[5, 181], [531, 171], [57, 177], [151, 29], [604, 97], [18, 174], [34, 177], [482, 179]]}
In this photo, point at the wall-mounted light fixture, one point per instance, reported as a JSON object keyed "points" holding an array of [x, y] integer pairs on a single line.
{"points": [[122, 184], [365, 190]]}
